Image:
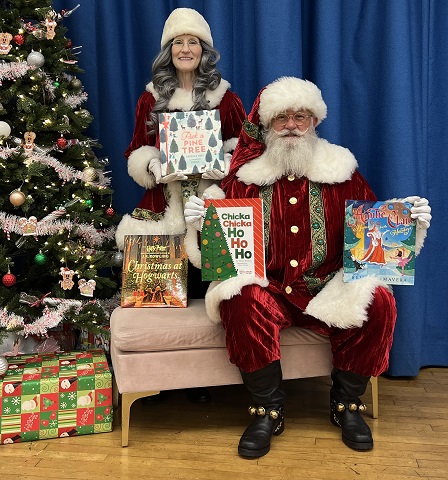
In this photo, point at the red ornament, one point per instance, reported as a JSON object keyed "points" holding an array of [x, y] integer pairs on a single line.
{"points": [[61, 142], [69, 44], [9, 280], [110, 212], [19, 39]]}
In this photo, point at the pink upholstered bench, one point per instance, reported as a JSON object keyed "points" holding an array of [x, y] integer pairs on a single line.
{"points": [[155, 349]]}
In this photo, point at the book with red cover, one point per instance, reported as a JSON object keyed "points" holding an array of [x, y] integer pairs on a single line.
{"points": [[232, 239]]}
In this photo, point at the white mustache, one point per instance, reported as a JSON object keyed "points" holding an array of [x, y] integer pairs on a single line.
{"points": [[292, 133]]}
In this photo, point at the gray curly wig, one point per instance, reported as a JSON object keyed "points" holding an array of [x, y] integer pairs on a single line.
{"points": [[165, 80]]}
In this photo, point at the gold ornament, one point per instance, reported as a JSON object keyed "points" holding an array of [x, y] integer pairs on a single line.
{"points": [[89, 174], [17, 198]]}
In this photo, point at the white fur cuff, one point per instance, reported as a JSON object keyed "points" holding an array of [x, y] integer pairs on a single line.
{"points": [[138, 162], [344, 305]]}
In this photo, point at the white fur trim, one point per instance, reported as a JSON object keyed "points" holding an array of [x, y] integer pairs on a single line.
{"points": [[344, 305], [192, 248], [219, 291], [330, 164], [138, 162], [182, 99], [291, 93], [186, 21], [214, 191], [173, 222], [230, 145]]}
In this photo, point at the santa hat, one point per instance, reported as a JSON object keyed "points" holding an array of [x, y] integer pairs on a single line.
{"points": [[290, 93], [186, 21], [283, 94]]}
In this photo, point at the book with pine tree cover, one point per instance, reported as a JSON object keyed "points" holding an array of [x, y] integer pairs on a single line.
{"points": [[379, 239], [190, 142], [155, 269], [232, 239]]}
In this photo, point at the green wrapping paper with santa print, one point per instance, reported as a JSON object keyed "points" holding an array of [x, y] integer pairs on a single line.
{"points": [[46, 396]]}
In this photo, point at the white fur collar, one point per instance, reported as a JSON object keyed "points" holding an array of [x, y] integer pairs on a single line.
{"points": [[330, 164], [181, 100]]}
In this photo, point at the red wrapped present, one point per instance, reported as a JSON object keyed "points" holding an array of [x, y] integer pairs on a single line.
{"points": [[55, 395]]}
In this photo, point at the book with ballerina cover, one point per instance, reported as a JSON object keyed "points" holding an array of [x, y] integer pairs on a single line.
{"points": [[190, 142], [155, 271], [379, 239], [232, 239]]}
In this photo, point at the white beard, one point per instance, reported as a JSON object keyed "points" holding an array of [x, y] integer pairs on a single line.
{"points": [[291, 151]]}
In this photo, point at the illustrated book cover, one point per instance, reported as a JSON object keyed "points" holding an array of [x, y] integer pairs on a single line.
{"points": [[190, 142], [379, 239], [232, 239], [155, 269]]}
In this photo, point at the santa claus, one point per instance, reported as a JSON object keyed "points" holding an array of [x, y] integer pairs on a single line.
{"points": [[304, 181]]}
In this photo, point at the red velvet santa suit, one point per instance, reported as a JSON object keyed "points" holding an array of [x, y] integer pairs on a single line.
{"points": [[303, 260], [161, 206]]}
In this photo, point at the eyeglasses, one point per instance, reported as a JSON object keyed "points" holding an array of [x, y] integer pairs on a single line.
{"points": [[192, 43], [283, 118]]}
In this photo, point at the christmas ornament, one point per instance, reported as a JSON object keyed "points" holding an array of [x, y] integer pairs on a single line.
{"points": [[29, 141], [67, 278], [89, 174], [40, 259], [117, 259], [76, 84], [5, 47], [5, 129], [83, 113], [69, 44], [17, 198], [61, 142], [51, 25], [19, 39], [9, 279], [3, 365], [56, 84], [89, 203], [86, 288], [36, 59], [110, 212], [28, 225]]}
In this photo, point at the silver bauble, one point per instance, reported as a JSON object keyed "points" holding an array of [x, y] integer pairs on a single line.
{"points": [[3, 365], [35, 59], [117, 259], [5, 130]]}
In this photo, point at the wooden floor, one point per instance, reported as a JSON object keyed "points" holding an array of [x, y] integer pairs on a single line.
{"points": [[179, 440]]}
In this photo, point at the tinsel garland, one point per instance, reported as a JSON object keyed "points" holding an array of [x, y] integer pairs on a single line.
{"points": [[49, 319], [14, 70], [75, 100], [65, 173], [10, 224]]}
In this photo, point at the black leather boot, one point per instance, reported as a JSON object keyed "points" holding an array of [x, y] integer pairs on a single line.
{"points": [[346, 409], [268, 396]]}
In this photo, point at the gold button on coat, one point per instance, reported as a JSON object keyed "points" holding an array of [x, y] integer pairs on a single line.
{"points": [[294, 229], [293, 200], [293, 263], [288, 290], [291, 178]]}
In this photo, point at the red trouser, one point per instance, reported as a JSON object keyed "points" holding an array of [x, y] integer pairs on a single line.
{"points": [[253, 321]]}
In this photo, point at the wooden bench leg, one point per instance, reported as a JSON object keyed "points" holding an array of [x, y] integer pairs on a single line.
{"points": [[127, 399], [375, 401]]}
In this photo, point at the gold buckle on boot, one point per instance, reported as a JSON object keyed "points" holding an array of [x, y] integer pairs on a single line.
{"points": [[261, 411]]}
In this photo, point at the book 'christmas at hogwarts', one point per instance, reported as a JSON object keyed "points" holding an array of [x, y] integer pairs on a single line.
{"points": [[232, 239], [190, 142], [155, 269], [379, 239]]}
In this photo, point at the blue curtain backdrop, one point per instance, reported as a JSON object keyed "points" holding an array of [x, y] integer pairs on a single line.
{"points": [[382, 67]]}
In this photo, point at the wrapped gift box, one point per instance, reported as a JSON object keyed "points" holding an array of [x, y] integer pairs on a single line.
{"points": [[88, 340], [55, 395]]}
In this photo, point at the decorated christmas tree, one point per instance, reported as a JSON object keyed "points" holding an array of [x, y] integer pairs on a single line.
{"points": [[57, 248]]}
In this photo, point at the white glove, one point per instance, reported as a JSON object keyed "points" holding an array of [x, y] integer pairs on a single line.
{"points": [[215, 174], [194, 212], [420, 210], [155, 167]]}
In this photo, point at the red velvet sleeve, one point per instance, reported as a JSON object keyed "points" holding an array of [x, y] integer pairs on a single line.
{"points": [[232, 115], [144, 106]]}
